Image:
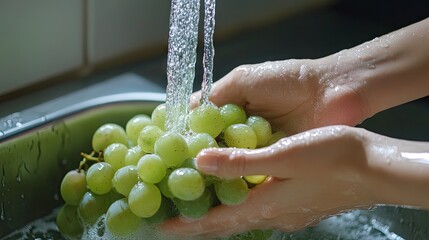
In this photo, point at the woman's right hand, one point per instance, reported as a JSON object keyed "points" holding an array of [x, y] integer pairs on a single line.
{"points": [[293, 95]]}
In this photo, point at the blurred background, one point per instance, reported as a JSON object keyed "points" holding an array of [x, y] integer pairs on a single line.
{"points": [[51, 48]]}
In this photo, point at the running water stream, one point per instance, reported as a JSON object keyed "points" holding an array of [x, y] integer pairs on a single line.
{"points": [[209, 26], [182, 46]]}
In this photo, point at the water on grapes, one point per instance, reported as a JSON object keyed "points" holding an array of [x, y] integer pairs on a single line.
{"points": [[182, 45]]}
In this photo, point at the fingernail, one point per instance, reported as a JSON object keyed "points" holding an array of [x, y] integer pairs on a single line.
{"points": [[207, 161]]}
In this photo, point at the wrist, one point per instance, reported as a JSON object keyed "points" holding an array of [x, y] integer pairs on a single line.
{"points": [[392, 177], [394, 66], [340, 87]]}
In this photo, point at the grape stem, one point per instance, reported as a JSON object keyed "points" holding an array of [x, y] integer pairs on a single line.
{"points": [[90, 157]]}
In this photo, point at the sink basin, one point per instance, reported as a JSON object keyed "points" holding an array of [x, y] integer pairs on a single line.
{"points": [[35, 155]]}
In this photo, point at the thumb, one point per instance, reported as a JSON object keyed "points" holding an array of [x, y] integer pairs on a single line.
{"points": [[234, 162], [229, 89]]}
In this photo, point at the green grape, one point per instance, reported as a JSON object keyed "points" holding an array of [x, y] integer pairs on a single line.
{"points": [[144, 199], [114, 155], [206, 119], [255, 179], [135, 125], [163, 185], [189, 163], [93, 206], [200, 141], [240, 136], [158, 116], [125, 178], [186, 184], [196, 208], [108, 134], [120, 220], [172, 149], [231, 191], [262, 129], [68, 221], [151, 168], [232, 114], [148, 137], [276, 136], [113, 196], [99, 177], [208, 179], [73, 187], [164, 212], [133, 155]]}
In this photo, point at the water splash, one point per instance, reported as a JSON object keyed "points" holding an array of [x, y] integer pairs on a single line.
{"points": [[182, 45], [385, 230], [209, 26]]}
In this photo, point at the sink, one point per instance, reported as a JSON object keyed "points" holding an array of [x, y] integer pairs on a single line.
{"points": [[35, 153]]}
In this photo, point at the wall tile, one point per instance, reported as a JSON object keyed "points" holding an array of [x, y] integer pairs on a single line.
{"points": [[38, 40], [119, 27]]}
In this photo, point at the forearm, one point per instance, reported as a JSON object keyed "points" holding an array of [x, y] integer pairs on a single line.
{"points": [[386, 71], [399, 171]]}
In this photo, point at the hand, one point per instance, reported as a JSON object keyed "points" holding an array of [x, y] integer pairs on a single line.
{"points": [[314, 174], [292, 95]]}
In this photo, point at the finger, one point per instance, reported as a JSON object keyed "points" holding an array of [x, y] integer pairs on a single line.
{"points": [[195, 99], [234, 162], [289, 157], [213, 224], [225, 220], [229, 88]]}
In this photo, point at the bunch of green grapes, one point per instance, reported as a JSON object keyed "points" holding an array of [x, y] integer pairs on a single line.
{"points": [[144, 174]]}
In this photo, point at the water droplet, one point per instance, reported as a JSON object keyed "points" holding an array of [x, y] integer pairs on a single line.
{"points": [[18, 178], [3, 176], [370, 66], [2, 212], [39, 152], [19, 174], [384, 45]]}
